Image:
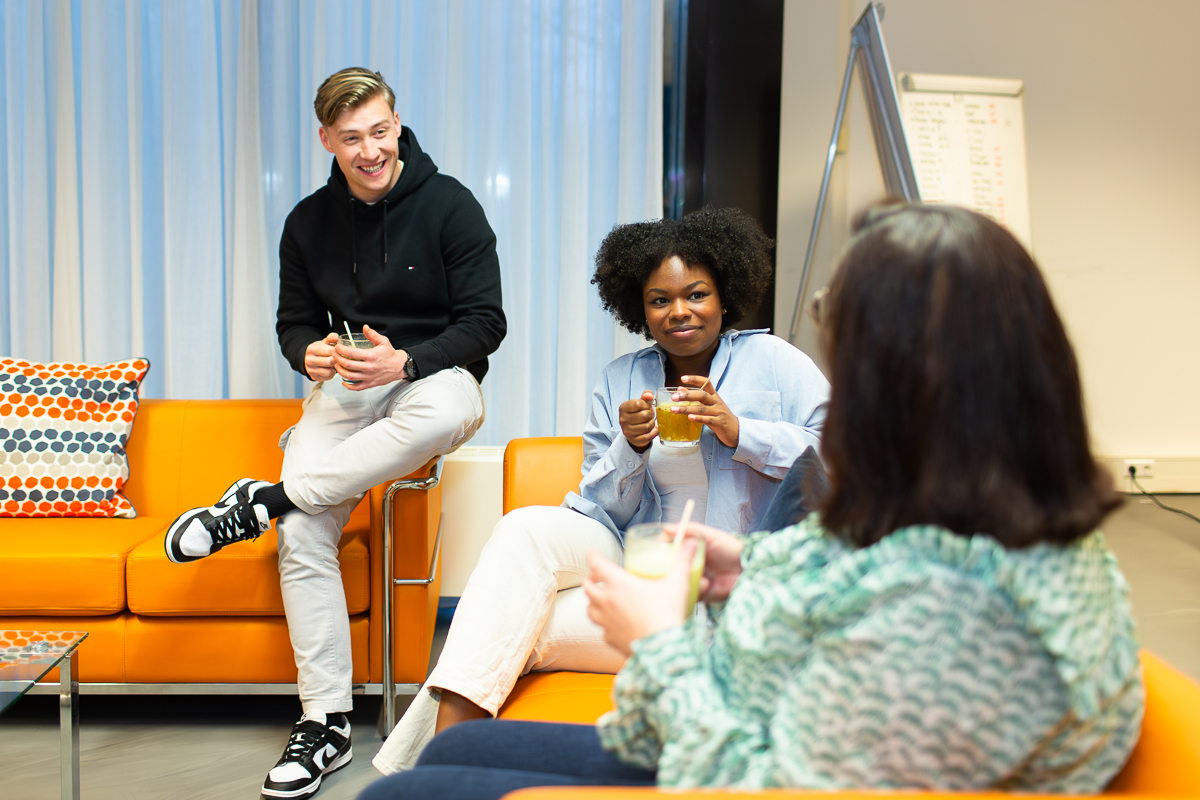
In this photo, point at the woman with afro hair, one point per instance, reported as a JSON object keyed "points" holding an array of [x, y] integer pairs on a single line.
{"points": [[949, 617], [684, 284]]}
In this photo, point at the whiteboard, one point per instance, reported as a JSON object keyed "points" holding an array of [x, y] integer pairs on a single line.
{"points": [[966, 137]]}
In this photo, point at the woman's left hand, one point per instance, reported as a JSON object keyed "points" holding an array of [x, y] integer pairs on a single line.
{"points": [[712, 411], [629, 607]]}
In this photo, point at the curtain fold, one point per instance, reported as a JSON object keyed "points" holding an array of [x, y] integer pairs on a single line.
{"points": [[152, 151]]}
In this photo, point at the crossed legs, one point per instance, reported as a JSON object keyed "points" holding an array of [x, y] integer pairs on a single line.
{"points": [[345, 443], [521, 610]]}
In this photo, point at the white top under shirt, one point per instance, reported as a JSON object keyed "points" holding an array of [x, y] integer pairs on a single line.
{"points": [[679, 475]]}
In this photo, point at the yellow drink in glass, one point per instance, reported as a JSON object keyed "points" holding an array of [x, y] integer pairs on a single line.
{"points": [[650, 551], [675, 430]]}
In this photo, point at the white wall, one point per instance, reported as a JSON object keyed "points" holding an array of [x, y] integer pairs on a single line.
{"points": [[1112, 133]]}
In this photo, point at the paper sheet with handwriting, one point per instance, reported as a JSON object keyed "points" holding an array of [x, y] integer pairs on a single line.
{"points": [[968, 147]]}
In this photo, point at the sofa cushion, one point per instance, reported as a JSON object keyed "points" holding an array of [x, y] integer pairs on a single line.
{"points": [[540, 470], [224, 650], [242, 579], [68, 566], [184, 453], [559, 697], [63, 429]]}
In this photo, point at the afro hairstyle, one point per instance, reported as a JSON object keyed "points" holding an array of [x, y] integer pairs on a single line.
{"points": [[725, 241]]}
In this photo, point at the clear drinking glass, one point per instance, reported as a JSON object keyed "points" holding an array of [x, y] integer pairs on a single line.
{"points": [[358, 341], [650, 551], [675, 430]]}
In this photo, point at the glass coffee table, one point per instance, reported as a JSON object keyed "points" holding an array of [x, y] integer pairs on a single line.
{"points": [[25, 658]]}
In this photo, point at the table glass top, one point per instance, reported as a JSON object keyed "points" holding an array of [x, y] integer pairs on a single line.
{"points": [[26, 656]]}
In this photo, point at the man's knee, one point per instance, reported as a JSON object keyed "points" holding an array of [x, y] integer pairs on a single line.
{"points": [[453, 407]]}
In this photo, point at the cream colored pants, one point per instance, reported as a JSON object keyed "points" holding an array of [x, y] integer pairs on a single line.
{"points": [[345, 443], [521, 610]]}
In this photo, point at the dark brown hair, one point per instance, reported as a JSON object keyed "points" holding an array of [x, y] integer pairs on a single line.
{"points": [[725, 241], [956, 398]]}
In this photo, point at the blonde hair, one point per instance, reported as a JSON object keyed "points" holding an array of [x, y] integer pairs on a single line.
{"points": [[350, 88]]}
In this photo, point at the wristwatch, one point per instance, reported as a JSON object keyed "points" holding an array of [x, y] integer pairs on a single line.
{"points": [[410, 369]]}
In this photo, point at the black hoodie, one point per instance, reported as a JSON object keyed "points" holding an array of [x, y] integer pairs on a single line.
{"points": [[419, 266]]}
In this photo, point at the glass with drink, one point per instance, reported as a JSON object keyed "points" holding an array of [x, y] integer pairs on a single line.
{"points": [[650, 551], [675, 430], [358, 341]]}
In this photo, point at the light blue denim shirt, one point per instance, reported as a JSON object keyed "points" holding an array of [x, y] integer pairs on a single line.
{"points": [[779, 397]]}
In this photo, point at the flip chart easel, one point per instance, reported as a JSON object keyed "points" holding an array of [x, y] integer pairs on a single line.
{"points": [[941, 139], [869, 56]]}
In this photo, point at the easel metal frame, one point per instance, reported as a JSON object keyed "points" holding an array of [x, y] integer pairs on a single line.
{"points": [[869, 55]]}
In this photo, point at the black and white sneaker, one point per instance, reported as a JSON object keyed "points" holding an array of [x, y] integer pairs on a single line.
{"points": [[319, 745], [203, 531]]}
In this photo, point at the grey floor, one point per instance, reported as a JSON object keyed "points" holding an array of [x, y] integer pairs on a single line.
{"points": [[174, 748], [138, 748]]}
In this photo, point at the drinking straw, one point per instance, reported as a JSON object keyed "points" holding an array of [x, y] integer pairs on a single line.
{"points": [[348, 333], [688, 507]]}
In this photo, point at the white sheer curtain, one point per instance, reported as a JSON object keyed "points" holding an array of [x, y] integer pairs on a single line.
{"points": [[153, 149]]}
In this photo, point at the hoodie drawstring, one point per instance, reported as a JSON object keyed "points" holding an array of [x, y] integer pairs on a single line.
{"points": [[353, 237]]}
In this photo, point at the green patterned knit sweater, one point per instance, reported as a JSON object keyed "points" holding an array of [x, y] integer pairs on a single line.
{"points": [[927, 660]]}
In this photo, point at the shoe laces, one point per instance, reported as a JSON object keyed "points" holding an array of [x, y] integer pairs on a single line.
{"points": [[234, 525], [306, 735]]}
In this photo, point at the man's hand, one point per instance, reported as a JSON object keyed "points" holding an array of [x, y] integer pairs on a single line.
{"points": [[638, 422], [379, 366], [318, 358], [629, 607], [712, 410]]}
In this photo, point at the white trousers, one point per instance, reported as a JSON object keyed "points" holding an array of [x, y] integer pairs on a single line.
{"points": [[345, 443], [521, 610]]}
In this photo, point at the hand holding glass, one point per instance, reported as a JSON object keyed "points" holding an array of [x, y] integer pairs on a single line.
{"points": [[675, 430], [356, 341], [650, 550]]}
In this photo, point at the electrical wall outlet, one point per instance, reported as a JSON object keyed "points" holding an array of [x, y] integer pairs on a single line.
{"points": [[1144, 467], [1171, 474]]}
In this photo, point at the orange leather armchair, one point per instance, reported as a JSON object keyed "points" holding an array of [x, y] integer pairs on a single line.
{"points": [[1165, 763], [217, 625]]}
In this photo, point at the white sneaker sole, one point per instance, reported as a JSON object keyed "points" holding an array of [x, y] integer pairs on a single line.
{"points": [[311, 789]]}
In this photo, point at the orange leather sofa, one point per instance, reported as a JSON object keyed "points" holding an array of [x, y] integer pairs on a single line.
{"points": [[215, 625], [539, 471]]}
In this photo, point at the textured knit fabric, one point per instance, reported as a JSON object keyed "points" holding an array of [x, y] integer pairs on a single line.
{"points": [[927, 660], [419, 266], [778, 396]]}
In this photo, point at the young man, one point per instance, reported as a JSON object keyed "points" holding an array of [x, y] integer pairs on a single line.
{"points": [[393, 249]]}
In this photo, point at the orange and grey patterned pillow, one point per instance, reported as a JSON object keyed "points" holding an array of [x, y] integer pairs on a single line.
{"points": [[63, 429]]}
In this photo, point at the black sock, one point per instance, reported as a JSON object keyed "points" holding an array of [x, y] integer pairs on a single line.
{"points": [[275, 499]]}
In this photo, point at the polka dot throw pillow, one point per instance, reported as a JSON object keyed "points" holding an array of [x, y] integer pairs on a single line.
{"points": [[63, 429]]}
